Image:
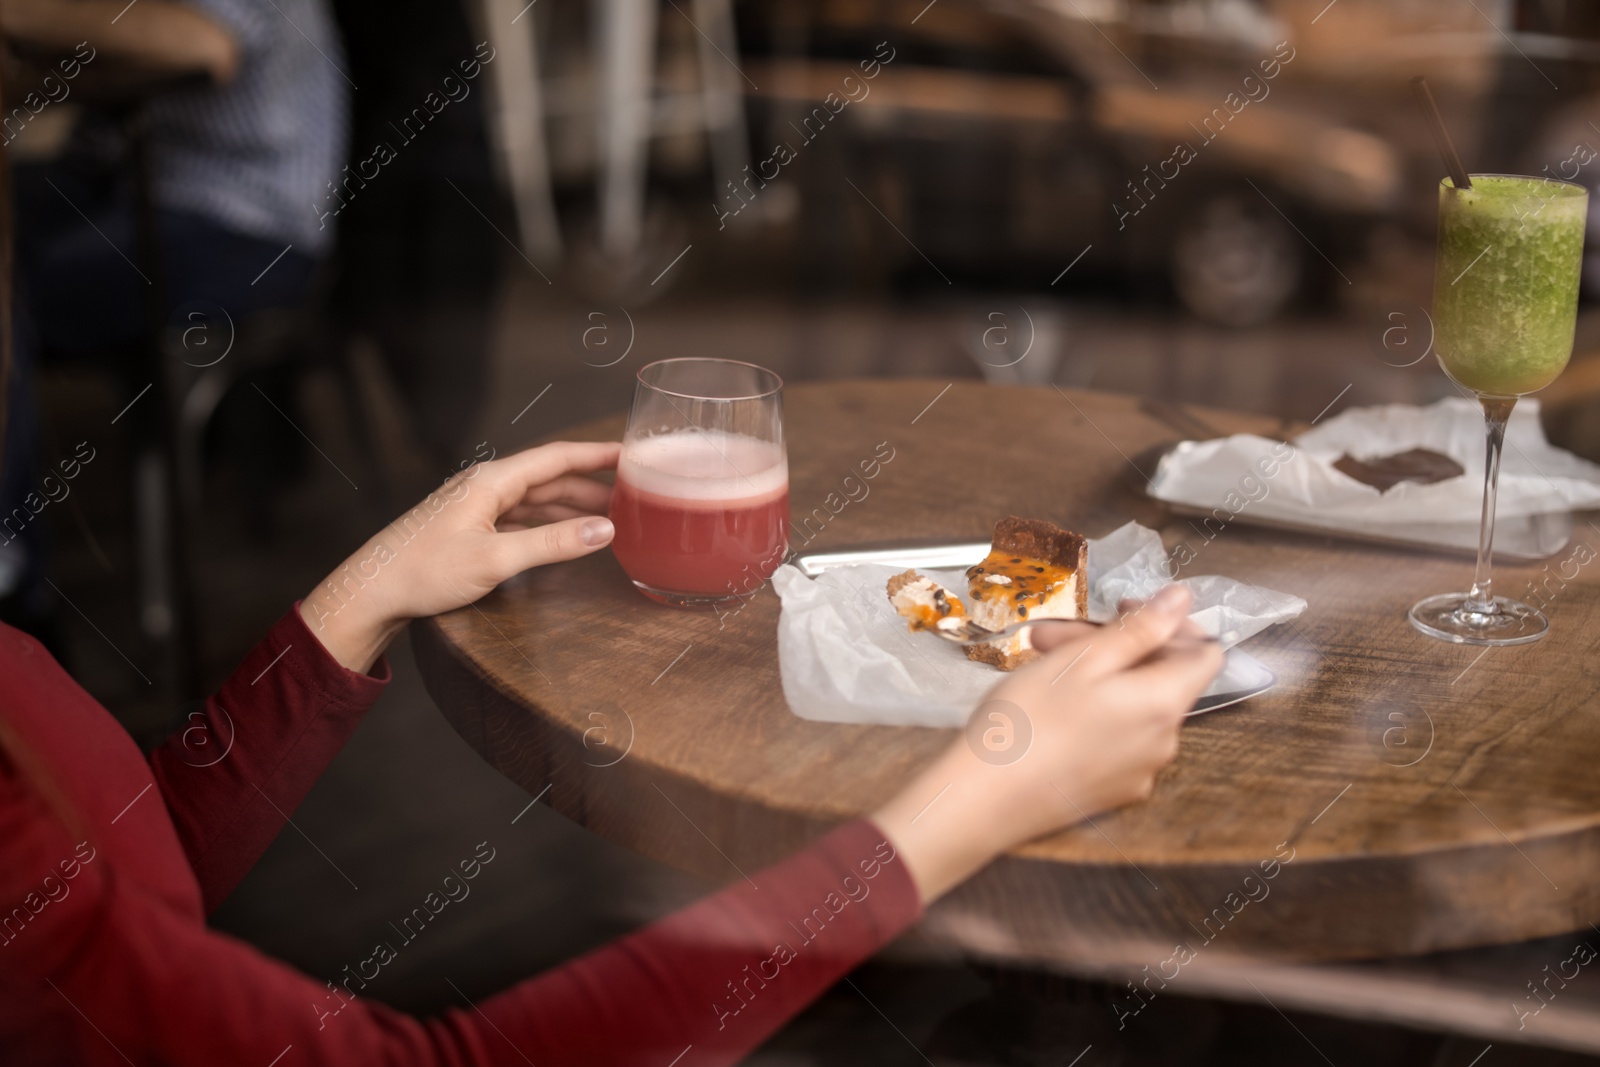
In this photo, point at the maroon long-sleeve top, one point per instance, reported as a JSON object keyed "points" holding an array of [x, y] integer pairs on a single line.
{"points": [[110, 861]]}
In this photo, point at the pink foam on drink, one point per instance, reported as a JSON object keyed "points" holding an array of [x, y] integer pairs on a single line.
{"points": [[710, 468]]}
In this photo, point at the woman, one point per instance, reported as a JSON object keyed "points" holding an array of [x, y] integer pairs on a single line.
{"points": [[110, 861]]}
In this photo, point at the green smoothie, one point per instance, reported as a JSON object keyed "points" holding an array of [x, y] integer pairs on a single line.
{"points": [[1505, 287]]}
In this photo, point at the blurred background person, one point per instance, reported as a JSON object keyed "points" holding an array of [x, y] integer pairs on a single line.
{"points": [[242, 109], [245, 126]]}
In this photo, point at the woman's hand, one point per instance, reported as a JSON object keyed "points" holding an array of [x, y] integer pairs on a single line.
{"points": [[485, 524], [1082, 729]]}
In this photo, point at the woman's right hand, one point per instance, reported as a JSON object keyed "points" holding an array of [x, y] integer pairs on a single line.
{"points": [[1080, 730]]}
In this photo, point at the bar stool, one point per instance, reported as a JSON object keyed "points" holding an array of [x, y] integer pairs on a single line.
{"points": [[629, 115], [167, 429], [627, 110]]}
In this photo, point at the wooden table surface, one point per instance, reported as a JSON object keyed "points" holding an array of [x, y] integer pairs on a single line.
{"points": [[1431, 796]]}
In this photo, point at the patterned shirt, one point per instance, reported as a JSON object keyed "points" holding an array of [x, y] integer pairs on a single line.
{"points": [[256, 155]]}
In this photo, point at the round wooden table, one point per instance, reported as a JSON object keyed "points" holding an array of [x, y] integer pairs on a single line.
{"points": [[1405, 795]]}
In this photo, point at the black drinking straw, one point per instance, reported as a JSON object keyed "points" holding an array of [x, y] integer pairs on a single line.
{"points": [[1441, 136]]}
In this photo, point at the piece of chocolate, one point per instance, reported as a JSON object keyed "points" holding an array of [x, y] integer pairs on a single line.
{"points": [[1421, 465]]}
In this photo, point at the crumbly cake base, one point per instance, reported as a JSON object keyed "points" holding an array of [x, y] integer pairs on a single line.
{"points": [[1001, 657]]}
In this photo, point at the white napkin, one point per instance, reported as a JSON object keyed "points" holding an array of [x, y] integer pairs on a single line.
{"points": [[1232, 473], [846, 656]]}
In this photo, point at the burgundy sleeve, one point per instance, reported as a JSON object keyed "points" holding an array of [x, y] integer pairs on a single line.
{"points": [[237, 767], [123, 976], [709, 983]]}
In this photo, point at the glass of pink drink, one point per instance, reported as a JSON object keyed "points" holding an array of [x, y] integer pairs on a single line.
{"points": [[701, 504]]}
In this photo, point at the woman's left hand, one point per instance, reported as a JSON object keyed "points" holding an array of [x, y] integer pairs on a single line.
{"points": [[486, 524]]}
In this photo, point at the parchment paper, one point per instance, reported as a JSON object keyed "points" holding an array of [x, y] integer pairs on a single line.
{"points": [[1231, 473], [846, 656]]}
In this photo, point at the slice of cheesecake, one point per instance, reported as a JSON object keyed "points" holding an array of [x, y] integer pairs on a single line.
{"points": [[926, 603], [1035, 570]]}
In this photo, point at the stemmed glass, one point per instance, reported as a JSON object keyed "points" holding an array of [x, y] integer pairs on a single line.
{"points": [[1505, 303]]}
